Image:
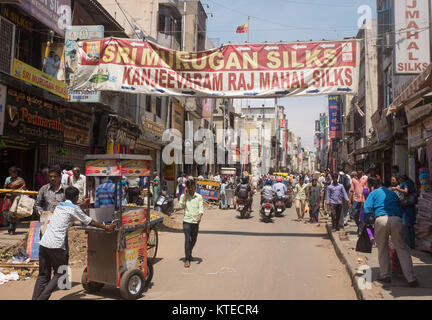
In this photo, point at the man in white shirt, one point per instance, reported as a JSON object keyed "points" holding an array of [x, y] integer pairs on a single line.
{"points": [[78, 181], [52, 247]]}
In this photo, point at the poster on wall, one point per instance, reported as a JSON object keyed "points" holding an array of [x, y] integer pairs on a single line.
{"points": [[412, 49], [53, 62], [74, 34], [252, 70]]}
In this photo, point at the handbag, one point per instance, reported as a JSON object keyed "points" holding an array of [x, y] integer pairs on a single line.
{"points": [[363, 243], [22, 207], [410, 200]]}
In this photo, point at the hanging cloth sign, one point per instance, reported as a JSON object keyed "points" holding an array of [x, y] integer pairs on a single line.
{"points": [[233, 71]]}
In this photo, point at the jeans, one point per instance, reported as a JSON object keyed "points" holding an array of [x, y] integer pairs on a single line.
{"points": [[356, 208], [48, 259], [223, 201], [191, 234]]}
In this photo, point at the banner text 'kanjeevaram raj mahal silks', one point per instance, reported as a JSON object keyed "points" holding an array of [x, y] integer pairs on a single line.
{"points": [[236, 71]]}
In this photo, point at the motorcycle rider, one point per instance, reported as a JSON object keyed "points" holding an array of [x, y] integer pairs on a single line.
{"points": [[267, 193], [244, 192], [280, 188]]}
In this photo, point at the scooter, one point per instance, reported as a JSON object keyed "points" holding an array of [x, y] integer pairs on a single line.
{"points": [[267, 211], [280, 206], [243, 208], [165, 203]]}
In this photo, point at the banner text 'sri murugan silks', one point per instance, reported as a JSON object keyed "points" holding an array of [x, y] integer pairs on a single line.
{"points": [[234, 70]]}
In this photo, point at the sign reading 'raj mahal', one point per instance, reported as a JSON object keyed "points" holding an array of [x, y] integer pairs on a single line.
{"points": [[412, 52]]}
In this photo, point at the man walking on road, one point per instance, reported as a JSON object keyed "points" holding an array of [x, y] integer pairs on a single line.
{"points": [[335, 195], [193, 206], [300, 198], [356, 200], [384, 204]]}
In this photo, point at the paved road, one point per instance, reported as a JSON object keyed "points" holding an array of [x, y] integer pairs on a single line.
{"points": [[238, 259]]}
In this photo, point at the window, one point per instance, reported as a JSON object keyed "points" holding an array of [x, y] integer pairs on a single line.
{"points": [[159, 107], [162, 23], [148, 104]]}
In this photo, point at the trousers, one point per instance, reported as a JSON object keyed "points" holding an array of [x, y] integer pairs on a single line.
{"points": [[391, 226], [335, 211], [300, 207], [191, 234], [49, 260]]}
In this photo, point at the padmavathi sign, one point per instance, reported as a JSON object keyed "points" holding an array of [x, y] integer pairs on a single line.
{"points": [[236, 71]]}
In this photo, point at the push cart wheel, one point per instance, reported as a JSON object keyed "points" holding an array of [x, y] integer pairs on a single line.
{"points": [[132, 284], [90, 287], [152, 244], [149, 277]]}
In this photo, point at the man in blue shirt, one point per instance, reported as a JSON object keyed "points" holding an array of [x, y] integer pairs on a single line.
{"points": [[105, 194], [335, 195], [385, 206]]}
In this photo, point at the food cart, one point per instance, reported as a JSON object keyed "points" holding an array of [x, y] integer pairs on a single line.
{"points": [[119, 258]]}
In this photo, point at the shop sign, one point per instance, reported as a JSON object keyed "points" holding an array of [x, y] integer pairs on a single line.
{"points": [[335, 116], [77, 127], [418, 112], [415, 137], [207, 108], [31, 117], [151, 127], [39, 79], [412, 50], [74, 34], [3, 94], [18, 19], [255, 70], [54, 14]]}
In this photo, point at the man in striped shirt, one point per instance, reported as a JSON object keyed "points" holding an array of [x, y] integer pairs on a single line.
{"points": [[105, 194]]}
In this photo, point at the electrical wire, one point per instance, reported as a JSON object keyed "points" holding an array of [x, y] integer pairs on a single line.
{"points": [[127, 19]]}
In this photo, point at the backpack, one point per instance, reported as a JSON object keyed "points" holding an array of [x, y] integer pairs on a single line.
{"points": [[243, 191], [345, 182]]}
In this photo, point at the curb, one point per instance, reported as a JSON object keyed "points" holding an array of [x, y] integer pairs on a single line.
{"points": [[350, 266]]}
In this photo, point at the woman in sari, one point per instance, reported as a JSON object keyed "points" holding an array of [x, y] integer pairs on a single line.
{"points": [[314, 199], [13, 182]]}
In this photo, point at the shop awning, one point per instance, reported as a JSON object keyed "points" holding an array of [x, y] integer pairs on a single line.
{"points": [[421, 86], [372, 148]]}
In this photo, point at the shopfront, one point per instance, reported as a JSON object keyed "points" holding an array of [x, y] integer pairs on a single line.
{"points": [[31, 124]]}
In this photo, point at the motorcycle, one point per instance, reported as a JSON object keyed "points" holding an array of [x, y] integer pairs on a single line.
{"points": [[280, 205], [165, 203], [267, 211], [243, 208]]}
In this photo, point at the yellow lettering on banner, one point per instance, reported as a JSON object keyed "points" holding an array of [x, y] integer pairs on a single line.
{"points": [[295, 64], [220, 61], [134, 55], [123, 54], [233, 61], [286, 59], [181, 57], [149, 57], [331, 57], [109, 54], [248, 60], [162, 58], [195, 60], [313, 57], [275, 61]]}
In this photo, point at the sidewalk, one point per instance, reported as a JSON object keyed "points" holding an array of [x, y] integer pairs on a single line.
{"points": [[345, 242]]}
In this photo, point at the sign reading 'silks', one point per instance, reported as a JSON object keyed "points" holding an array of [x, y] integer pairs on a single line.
{"points": [[249, 70]]}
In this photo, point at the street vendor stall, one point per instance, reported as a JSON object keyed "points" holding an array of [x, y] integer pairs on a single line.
{"points": [[119, 258]]}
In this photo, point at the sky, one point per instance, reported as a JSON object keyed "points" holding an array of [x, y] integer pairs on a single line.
{"points": [[286, 20]]}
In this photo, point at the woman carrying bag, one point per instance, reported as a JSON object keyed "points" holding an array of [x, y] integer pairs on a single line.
{"points": [[13, 182]]}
